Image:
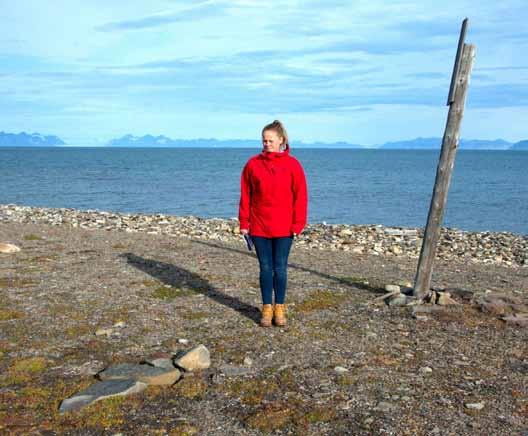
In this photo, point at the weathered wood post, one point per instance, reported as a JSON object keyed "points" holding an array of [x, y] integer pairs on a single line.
{"points": [[456, 102]]}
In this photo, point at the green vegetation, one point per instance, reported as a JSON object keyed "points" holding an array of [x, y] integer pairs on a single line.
{"points": [[15, 282], [193, 388], [169, 293], [250, 392], [320, 300], [7, 314], [195, 315], [22, 371], [32, 237]]}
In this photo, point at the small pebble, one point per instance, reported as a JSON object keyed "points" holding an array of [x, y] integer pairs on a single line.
{"points": [[183, 341], [474, 406], [103, 332]]}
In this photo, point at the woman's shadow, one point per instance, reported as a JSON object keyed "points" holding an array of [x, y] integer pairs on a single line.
{"points": [[177, 277]]}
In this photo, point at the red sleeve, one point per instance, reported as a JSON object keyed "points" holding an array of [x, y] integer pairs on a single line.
{"points": [[300, 199], [245, 198]]}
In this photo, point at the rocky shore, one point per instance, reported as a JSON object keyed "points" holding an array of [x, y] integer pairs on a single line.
{"points": [[477, 247]]}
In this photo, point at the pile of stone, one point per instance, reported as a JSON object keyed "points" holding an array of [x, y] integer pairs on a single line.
{"points": [[511, 309], [130, 378], [480, 247]]}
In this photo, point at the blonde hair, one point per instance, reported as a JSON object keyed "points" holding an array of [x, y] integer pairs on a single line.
{"points": [[278, 128]]}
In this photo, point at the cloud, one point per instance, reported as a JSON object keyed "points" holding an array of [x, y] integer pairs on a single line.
{"points": [[504, 68], [338, 58], [428, 28], [200, 11], [428, 75], [498, 95], [387, 46]]}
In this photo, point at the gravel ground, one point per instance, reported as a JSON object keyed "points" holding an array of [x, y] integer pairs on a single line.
{"points": [[345, 364]]}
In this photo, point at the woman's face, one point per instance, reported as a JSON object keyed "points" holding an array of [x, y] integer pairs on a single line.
{"points": [[271, 141]]}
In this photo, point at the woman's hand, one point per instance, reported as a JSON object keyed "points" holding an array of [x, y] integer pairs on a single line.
{"points": [[244, 231]]}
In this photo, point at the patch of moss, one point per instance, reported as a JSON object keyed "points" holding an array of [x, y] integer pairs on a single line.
{"points": [[287, 379], [195, 315], [191, 387], [35, 397], [270, 418], [184, 429], [104, 414], [320, 300], [15, 282], [347, 379], [32, 237], [119, 246], [319, 414], [78, 330], [9, 314], [250, 392], [22, 371], [170, 293], [33, 365]]}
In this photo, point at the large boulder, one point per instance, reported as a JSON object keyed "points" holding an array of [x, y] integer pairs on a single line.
{"points": [[194, 359]]}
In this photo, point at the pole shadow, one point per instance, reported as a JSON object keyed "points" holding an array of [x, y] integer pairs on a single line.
{"points": [[353, 283], [178, 277]]}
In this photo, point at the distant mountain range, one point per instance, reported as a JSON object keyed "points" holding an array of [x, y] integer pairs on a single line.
{"points": [[465, 144], [521, 145], [37, 140], [163, 141], [413, 144], [24, 139]]}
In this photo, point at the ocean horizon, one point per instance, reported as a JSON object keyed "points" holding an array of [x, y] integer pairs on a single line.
{"points": [[347, 186]]}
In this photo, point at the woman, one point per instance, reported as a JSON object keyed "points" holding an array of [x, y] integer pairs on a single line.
{"points": [[273, 203]]}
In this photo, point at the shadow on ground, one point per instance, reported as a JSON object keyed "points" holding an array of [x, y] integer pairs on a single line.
{"points": [[178, 277], [352, 282]]}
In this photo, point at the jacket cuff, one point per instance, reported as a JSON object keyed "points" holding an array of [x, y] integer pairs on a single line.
{"points": [[297, 228]]}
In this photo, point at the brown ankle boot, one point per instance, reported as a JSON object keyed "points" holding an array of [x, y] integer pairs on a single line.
{"points": [[279, 315], [267, 315]]}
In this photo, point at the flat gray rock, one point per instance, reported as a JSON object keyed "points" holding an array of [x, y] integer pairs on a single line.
{"points": [[162, 362], [234, 371], [141, 372], [100, 391]]}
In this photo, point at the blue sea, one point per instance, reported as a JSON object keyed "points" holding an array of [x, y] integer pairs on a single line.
{"points": [[489, 189]]}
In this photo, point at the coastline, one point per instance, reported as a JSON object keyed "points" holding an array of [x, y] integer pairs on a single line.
{"points": [[498, 248]]}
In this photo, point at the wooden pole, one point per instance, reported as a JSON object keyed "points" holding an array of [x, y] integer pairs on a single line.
{"points": [[443, 173]]}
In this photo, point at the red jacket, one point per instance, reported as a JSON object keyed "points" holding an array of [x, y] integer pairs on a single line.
{"points": [[273, 198]]}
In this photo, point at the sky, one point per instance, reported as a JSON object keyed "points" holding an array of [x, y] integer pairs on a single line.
{"points": [[364, 72]]}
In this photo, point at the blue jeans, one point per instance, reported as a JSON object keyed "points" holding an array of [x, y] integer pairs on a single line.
{"points": [[273, 255]]}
